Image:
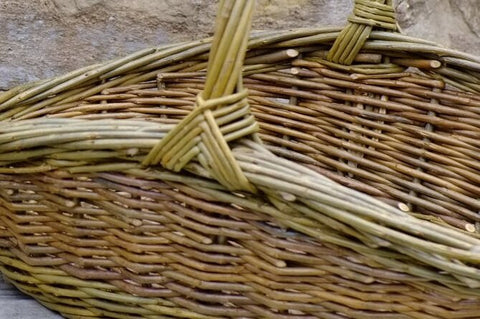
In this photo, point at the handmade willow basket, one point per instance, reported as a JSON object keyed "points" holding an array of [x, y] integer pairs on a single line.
{"points": [[355, 196]]}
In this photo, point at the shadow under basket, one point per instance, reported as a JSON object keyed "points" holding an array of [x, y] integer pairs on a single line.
{"points": [[365, 205]]}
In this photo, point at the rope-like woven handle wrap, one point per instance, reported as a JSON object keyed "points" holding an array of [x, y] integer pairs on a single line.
{"points": [[366, 15], [221, 113]]}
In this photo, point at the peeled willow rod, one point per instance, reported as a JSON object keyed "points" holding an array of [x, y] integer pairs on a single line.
{"points": [[383, 213]]}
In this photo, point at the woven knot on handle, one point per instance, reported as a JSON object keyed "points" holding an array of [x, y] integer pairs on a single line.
{"points": [[204, 134], [366, 15], [221, 113]]}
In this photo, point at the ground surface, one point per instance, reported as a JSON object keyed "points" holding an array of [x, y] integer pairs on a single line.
{"points": [[14, 305], [43, 38]]}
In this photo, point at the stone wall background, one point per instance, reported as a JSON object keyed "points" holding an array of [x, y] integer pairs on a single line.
{"points": [[43, 38]]}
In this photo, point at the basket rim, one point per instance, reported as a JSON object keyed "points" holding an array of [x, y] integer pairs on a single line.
{"points": [[379, 41]]}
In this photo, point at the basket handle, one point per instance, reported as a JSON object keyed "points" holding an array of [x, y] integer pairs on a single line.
{"points": [[221, 113], [366, 15]]}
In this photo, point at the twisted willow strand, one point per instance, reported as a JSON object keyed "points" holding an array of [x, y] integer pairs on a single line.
{"points": [[366, 15]]}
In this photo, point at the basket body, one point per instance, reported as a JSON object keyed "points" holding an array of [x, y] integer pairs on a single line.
{"points": [[141, 243]]}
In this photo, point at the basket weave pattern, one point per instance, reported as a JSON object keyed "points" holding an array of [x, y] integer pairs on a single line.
{"points": [[89, 231]]}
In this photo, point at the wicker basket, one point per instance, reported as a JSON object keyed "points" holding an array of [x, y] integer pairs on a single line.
{"points": [[355, 196]]}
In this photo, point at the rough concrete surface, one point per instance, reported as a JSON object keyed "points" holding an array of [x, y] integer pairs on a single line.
{"points": [[14, 305], [43, 38]]}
